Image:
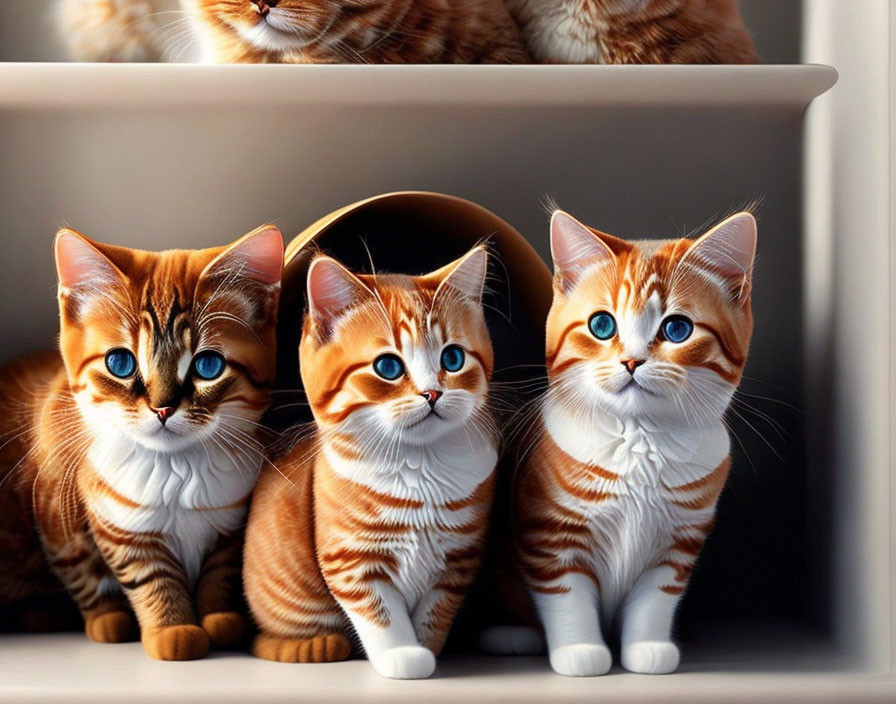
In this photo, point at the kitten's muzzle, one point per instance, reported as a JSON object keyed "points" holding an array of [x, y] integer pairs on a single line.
{"points": [[164, 413]]}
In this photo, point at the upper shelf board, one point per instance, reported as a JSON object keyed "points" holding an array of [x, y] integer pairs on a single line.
{"points": [[61, 85]]}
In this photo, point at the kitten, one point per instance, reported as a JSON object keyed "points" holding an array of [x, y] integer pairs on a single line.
{"points": [[646, 343], [358, 31], [379, 525], [634, 31], [292, 31], [138, 443]]}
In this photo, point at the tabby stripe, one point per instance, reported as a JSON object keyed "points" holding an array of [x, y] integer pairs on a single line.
{"points": [[735, 359], [330, 394], [561, 340]]}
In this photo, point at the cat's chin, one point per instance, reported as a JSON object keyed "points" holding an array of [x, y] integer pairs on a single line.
{"points": [[169, 441], [266, 37]]}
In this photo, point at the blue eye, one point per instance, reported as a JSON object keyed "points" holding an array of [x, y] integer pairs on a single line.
{"points": [[121, 363], [388, 366], [677, 328], [208, 365], [453, 357], [602, 325]]}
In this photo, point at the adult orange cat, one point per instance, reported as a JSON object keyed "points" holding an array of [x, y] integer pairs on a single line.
{"points": [[634, 31], [646, 344], [295, 31], [379, 524], [134, 451]]}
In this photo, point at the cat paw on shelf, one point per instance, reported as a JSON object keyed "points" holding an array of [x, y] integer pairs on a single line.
{"points": [[408, 662]]}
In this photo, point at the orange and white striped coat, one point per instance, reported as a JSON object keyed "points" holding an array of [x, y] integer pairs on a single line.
{"points": [[137, 447], [646, 344], [379, 524]]}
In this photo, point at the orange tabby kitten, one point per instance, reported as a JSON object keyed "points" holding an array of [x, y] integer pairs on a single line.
{"points": [[379, 524], [634, 31], [646, 344], [357, 31], [137, 443]]}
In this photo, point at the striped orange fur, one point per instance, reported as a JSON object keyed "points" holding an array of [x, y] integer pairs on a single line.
{"points": [[377, 522], [137, 517], [634, 31], [358, 31], [646, 343]]}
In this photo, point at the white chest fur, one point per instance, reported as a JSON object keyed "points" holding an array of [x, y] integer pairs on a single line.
{"points": [[558, 31], [633, 529], [431, 476], [190, 496]]}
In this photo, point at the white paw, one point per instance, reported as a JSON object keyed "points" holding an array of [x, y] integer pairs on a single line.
{"points": [[511, 640], [650, 657], [409, 662], [581, 660]]}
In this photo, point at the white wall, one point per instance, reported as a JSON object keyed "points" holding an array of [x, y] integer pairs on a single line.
{"points": [[849, 318]]}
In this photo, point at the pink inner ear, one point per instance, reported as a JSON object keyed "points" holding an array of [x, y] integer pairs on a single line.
{"points": [[332, 289], [468, 276], [728, 248], [573, 245], [261, 255], [79, 263]]}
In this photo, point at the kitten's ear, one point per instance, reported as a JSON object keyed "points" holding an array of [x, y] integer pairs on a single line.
{"points": [[332, 289], [465, 275], [79, 263], [257, 256], [727, 250], [575, 248]]}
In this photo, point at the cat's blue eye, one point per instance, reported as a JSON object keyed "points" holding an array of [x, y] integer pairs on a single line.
{"points": [[388, 366], [121, 363], [453, 357], [602, 325], [677, 328], [209, 365]]}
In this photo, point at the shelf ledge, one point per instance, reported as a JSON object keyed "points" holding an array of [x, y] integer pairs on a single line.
{"points": [[107, 86]]}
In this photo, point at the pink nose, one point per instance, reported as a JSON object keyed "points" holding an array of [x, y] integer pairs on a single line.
{"points": [[431, 396], [632, 364], [264, 6], [164, 413]]}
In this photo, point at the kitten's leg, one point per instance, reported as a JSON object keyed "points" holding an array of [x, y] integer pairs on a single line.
{"points": [[647, 615], [434, 615], [157, 587], [75, 559], [219, 592], [298, 618], [568, 609], [380, 617]]}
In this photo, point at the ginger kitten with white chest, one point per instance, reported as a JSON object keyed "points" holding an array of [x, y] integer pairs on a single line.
{"points": [[134, 451], [646, 344], [378, 527]]}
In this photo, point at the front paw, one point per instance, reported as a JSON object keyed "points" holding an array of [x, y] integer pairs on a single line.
{"points": [[410, 662], [225, 628], [331, 647], [177, 643], [581, 660], [650, 657], [111, 627]]}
